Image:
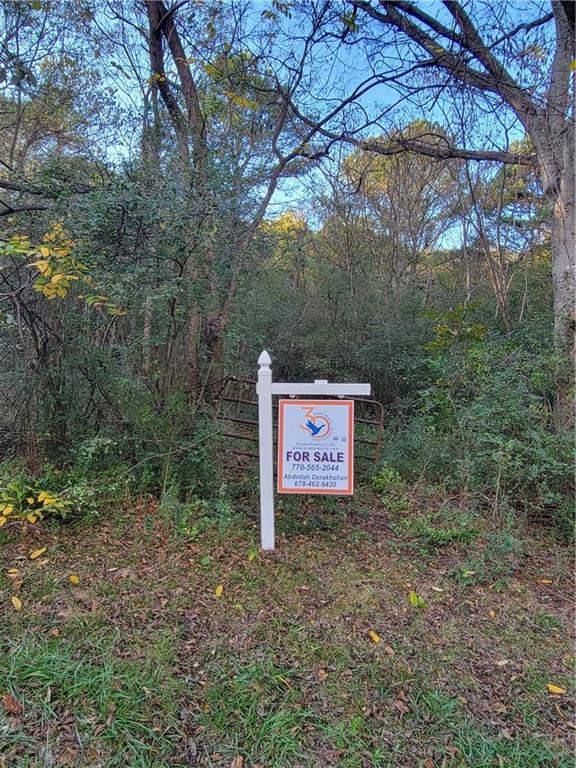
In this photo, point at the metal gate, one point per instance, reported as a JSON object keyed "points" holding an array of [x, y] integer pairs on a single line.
{"points": [[237, 408]]}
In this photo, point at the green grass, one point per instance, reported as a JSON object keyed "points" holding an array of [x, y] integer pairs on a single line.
{"points": [[258, 713], [438, 528], [281, 669], [128, 706]]}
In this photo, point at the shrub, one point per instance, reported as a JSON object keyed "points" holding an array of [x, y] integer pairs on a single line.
{"points": [[485, 424], [26, 499]]}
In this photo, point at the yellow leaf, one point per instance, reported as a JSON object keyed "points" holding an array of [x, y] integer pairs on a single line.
{"points": [[16, 602], [219, 589], [545, 581], [7, 509], [415, 601], [30, 500], [2, 520], [37, 553], [42, 266], [12, 571], [555, 689], [74, 579], [45, 251], [573, 65], [42, 495], [492, 614], [374, 636], [31, 517]]}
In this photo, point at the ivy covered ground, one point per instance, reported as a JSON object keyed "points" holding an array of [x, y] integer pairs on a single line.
{"points": [[382, 632]]}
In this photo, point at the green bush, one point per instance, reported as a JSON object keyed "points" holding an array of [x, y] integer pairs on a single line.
{"points": [[30, 499], [485, 424]]}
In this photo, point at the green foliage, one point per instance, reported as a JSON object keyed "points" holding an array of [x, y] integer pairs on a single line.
{"points": [[26, 499], [392, 489], [195, 515], [387, 480], [452, 328], [440, 528], [485, 424], [498, 556]]}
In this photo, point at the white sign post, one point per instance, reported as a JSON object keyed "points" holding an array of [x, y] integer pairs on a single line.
{"points": [[326, 423]]}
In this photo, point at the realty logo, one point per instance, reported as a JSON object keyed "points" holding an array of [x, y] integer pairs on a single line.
{"points": [[318, 426]]}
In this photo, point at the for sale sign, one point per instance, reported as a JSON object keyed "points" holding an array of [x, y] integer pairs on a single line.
{"points": [[316, 446]]}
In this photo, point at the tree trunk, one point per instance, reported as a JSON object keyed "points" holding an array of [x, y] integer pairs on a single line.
{"points": [[563, 256]]}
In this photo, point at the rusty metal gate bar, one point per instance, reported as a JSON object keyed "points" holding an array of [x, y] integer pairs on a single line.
{"points": [[224, 396]]}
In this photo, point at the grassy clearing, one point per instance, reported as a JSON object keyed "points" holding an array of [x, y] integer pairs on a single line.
{"points": [[141, 665]]}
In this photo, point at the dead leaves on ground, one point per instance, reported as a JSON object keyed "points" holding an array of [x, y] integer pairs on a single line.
{"points": [[16, 602], [11, 705], [555, 690], [37, 553], [400, 704]]}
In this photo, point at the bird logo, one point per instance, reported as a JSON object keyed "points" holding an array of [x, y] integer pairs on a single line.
{"points": [[318, 426]]}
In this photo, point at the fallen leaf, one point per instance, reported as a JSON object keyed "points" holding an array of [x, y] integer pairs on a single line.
{"points": [[415, 601], [322, 674], [389, 650], [73, 579], [37, 553], [55, 632], [552, 687], [11, 705], [12, 572], [492, 614], [238, 762], [545, 581], [429, 763], [16, 602], [437, 589], [374, 636], [401, 707], [502, 662], [219, 589]]}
